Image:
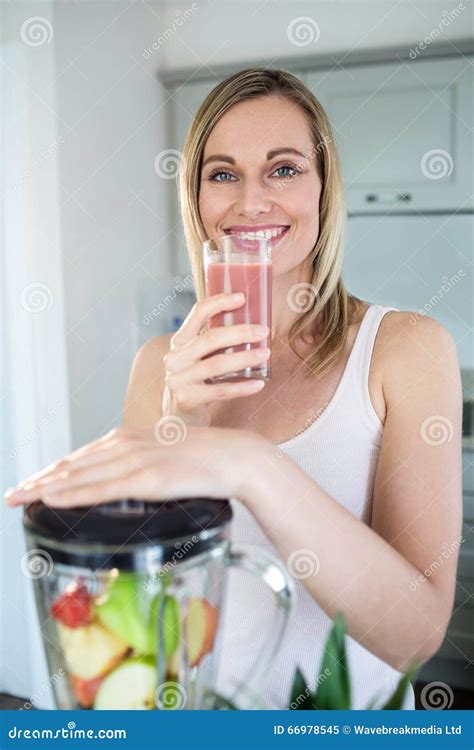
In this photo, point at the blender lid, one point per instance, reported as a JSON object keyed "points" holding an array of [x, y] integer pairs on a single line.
{"points": [[127, 522]]}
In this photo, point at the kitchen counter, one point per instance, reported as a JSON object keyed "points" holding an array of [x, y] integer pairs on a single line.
{"points": [[11, 702]]}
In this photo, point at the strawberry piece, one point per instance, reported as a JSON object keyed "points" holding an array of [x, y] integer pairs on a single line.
{"points": [[74, 607]]}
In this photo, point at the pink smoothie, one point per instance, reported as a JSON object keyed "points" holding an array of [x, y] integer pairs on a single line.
{"points": [[255, 281]]}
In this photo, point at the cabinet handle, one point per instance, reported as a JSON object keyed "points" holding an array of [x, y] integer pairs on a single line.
{"points": [[388, 197]]}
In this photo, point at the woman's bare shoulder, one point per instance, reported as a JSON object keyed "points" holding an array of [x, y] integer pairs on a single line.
{"points": [[411, 348], [145, 386], [153, 349], [412, 354]]}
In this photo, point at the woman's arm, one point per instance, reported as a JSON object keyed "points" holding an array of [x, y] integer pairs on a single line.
{"points": [[144, 395], [375, 575]]}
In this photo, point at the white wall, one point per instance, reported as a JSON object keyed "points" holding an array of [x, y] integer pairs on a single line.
{"points": [[243, 30], [34, 399], [111, 114]]}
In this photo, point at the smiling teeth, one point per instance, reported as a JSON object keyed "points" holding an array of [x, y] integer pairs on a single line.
{"points": [[262, 234]]}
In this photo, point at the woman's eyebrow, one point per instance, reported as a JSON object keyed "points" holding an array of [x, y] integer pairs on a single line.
{"points": [[270, 155]]}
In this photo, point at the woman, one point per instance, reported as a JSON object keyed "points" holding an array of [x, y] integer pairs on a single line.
{"points": [[333, 465]]}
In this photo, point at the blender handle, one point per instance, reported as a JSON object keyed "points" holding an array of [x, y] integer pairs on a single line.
{"points": [[275, 575]]}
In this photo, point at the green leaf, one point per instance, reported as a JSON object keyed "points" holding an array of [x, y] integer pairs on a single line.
{"points": [[334, 691], [301, 698], [395, 702]]}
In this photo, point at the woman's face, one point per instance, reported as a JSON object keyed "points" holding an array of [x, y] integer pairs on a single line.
{"points": [[259, 173]]}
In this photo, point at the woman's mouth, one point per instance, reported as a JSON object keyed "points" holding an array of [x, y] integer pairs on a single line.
{"points": [[248, 240]]}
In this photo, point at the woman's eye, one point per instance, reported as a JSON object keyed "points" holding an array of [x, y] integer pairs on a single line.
{"points": [[287, 166], [213, 177], [223, 176]]}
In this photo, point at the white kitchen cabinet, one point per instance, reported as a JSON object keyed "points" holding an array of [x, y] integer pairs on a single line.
{"points": [[187, 99], [404, 133], [416, 263]]}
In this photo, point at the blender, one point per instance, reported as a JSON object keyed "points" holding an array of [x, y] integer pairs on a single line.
{"points": [[130, 597]]}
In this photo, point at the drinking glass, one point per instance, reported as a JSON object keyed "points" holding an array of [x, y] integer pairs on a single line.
{"points": [[234, 263]]}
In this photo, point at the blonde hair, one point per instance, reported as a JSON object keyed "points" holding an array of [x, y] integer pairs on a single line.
{"points": [[329, 298]]}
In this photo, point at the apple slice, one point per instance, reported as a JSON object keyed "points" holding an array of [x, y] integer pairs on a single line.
{"points": [[136, 621], [119, 611], [131, 686], [85, 690], [201, 625], [90, 651], [168, 628]]}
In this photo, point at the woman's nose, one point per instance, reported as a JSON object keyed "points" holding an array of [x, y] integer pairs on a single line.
{"points": [[254, 198]]}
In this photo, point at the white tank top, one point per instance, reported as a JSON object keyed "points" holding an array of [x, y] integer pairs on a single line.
{"points": [[339, 450]]}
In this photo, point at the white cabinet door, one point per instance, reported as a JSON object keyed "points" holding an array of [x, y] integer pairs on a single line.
{"points": [[404, 133], [187, 99], [416, 263]]}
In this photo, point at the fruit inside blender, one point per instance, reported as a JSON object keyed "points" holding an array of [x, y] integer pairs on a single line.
{"points": [[110, 640]]}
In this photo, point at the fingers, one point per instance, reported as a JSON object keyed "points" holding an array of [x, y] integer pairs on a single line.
{"points": [[201, 311], [99, 492], [87, 475], [217, 338], [221, 364], [195, 395], [68, 464], [64, 463], [113, 446]]}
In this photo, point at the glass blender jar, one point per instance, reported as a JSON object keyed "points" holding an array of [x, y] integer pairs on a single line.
{"points": [[130, 598]]}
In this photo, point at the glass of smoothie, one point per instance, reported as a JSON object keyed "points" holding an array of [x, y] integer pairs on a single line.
{"points": [[237, 263]]}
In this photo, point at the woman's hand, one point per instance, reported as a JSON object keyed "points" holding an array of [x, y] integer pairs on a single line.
{"points": [[188, 363], [129, 464]]}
